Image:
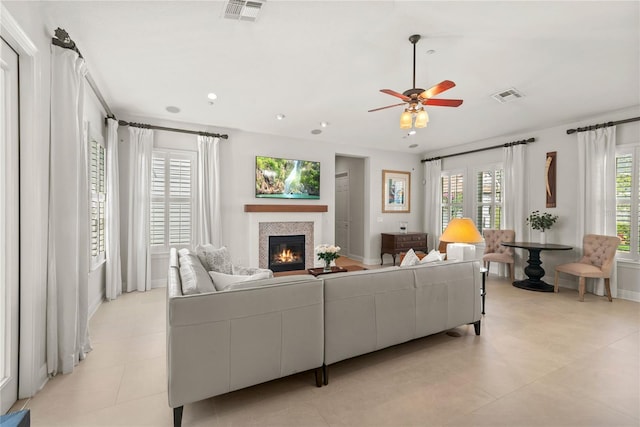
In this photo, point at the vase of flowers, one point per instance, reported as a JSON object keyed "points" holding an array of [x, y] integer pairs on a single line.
{"points": [[541, 222], [327, 253]]}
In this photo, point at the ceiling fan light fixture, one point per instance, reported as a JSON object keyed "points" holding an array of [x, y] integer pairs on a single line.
{"points": [[422, 118], [405, 120]]}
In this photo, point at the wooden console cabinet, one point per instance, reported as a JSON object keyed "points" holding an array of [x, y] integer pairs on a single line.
{"points": [[394, 243]]}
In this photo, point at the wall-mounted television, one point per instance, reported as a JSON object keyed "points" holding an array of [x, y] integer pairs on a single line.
{"points": [[287, 179]]}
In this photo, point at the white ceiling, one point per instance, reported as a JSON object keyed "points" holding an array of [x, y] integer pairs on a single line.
{"points": [[326, 61]]}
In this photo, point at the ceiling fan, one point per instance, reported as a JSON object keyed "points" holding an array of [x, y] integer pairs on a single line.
{"points": [[416, 97]]}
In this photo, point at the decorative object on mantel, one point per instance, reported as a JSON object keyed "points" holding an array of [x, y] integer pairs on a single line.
{"points": [[327, 253], [396, 191], [541, 222], [550, 179]]}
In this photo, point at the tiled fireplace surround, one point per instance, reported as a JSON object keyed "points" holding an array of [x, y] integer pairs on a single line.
{"points": [[265, 224]]}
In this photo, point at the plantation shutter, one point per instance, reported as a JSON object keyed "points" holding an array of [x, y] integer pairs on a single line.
{"points": [[97, 188], [172, 194], [624, 175]]}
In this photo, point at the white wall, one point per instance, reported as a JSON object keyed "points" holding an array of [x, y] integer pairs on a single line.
{"points": [[565, 230]]}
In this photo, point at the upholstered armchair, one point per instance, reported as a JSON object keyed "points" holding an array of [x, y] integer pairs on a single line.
{"points": [[495, 252], [598, 255]]}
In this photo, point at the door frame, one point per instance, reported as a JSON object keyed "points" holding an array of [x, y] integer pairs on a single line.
{"points": [[33, 176], [345, 174]]}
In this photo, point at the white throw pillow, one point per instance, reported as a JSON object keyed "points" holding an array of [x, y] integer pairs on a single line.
{"points": [[222, 281], [410, 258], [195, 279], [248, 271], [432, 256], [215, 259]]}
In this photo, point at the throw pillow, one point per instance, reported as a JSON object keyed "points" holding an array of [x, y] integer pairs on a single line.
{"points": [[240, 270], [432, 257], [410, 258], [222, 281], [185, 251], [215, 259]]}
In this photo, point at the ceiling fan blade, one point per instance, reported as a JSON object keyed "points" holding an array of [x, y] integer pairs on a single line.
{"points": [[439, 88], [396, 94], [443, 102], [382, 108]]}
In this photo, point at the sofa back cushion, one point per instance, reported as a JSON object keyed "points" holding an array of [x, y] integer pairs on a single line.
{"points": [[222, 281], [195, 279]]}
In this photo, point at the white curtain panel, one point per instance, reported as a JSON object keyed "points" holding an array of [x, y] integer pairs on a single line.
{"points": [[515, 197], [433, 200], [596, 213], [139, 251], [208, 222], [68, 234], [112, 232]]}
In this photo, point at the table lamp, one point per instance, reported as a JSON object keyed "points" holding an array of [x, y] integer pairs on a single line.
{"points": [[461, 232]]}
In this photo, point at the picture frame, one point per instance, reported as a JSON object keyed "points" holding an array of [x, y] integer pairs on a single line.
{"points": [[396, 191]]}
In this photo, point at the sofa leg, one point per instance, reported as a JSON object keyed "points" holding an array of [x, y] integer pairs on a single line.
{"points": [[325, 374], [177, 416], [476, 326], [318, 372]]}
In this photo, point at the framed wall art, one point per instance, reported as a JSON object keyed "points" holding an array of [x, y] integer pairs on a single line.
{"points": [[550, 179], [396, 191]]}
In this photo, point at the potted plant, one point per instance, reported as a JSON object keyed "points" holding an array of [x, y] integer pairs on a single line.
{"points": [[541, 222]]}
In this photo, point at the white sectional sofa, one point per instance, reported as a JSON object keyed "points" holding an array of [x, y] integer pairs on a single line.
{"points": [[220, 341]]}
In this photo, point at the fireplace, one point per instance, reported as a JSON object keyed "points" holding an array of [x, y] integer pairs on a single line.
{"points": [[286, 253]]}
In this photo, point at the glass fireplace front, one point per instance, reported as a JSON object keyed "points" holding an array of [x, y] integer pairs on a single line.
{"points": [[286, 253]]}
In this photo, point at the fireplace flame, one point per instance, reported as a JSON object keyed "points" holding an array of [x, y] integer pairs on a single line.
{"points": [[286, 256]]}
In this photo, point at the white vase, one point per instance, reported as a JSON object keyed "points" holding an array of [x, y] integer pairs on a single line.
{"points": [[543, 238]]}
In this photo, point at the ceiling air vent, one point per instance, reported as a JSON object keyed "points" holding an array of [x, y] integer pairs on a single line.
{"points": [[243, 10], [507, 95]]}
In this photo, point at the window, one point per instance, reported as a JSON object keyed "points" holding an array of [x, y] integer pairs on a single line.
{"points": [[628, 201], [172, 199], [489, 201], [98, 197], [452, 196]]}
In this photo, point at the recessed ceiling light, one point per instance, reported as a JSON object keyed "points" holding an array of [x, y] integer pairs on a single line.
{"points": [[413, 145], [431, 52], [324, 124], [316, 132], [280, 116], [172, 109], [212, 96]]}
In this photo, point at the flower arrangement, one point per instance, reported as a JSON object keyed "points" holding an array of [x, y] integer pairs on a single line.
{"points": [[541, 222], [328, 252]]}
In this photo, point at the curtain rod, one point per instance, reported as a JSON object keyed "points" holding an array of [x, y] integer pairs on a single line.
{"points": [[508, 144], [193, 132], [63, 40], [602, 125]]}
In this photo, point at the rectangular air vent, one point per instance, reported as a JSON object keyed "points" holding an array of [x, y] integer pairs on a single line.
{"points": [[243, 10], [507, 95]]}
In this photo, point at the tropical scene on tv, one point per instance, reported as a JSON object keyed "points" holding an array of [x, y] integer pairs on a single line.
{"points": [[289, 179]]}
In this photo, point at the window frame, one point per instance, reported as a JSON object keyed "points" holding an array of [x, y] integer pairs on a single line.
{"points": [[493, 168], [633, 201], [97, 195], [169, 154]]}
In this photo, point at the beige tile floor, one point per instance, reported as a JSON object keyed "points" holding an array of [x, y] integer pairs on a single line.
{"points": [[542, 360]]}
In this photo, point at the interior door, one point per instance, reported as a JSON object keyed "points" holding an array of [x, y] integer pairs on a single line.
{"points": [[9, 225], [342, 212]]}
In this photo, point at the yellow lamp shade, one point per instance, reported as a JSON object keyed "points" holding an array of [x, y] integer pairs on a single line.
{"points": [[461, 230], [405, 120], [421, 119]]}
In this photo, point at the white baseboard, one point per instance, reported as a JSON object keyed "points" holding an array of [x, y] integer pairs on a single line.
{"points": [[158, 283], [356, 258], [93, 307], [628, 295]]}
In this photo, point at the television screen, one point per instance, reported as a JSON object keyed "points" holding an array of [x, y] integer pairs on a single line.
{"points": [[287, 179]]}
